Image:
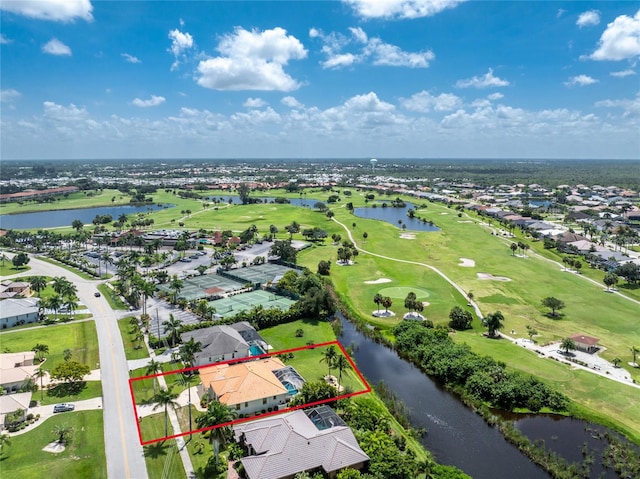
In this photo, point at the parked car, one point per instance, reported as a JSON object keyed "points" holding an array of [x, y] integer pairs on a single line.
{"points": [[185, 260], [63, 407], [97, 294]]}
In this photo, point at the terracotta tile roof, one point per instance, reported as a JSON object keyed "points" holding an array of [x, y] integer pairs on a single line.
{"points": [[589, 340], [247, 381]]}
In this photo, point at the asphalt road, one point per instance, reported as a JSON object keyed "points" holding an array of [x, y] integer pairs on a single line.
{"points": [[125, 459]]}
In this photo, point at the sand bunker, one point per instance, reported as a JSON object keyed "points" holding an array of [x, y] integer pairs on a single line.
{"points": [[465, 221], [414, 316], [425, 303], [378, 281], [54, 447], [344, 263], [490, 277], [383, 314], [467, 263], [407, 235]]}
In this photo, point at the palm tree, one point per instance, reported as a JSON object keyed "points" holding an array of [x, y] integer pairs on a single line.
{"points": [[40, 374], [38, 283], [54, 302], [342, 364], [493, 322], [567, 344], [165, 398], [147, 288], [176, 286], [171, 326], [139, 338], [377, 299], [387, 302], [154, 367], [71, 303], [40, 350], [634, 350], [61, 285], [185, 381], [616, 362], [514, 248], [188, 351], [3, 258], [63, 432], [329, 356], [217, 413]]}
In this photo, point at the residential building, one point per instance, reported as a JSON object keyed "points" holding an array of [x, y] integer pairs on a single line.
{"points": [[17, 311], [250, 386], [226, 342], [304, 440]]}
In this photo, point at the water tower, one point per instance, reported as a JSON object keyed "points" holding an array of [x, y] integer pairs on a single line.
{"points": [[373, 165]]}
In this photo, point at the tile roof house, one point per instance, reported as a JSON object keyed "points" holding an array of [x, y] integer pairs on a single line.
{"points": [[15, 370], [282, 446], [222, 343], [250, 386], [585, 343], [12, 289]]}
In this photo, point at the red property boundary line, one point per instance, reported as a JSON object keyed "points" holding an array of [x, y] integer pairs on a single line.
{"points": [[247, 419]]}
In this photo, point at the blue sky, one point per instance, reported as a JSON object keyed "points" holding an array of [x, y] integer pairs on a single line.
{"points": [[353, 78]]}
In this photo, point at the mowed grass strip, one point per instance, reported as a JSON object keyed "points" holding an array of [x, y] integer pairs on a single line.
{"points": [[162, 458], [84, 457], [92, 389], [132, 348], [80, 338]]}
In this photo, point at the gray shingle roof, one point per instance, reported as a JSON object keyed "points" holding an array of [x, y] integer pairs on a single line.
{"points": [[290, 443]]}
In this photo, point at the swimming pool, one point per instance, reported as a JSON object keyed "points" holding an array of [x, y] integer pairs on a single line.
{"points": [[256, 350]]}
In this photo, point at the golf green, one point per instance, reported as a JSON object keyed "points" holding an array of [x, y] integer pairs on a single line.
{"points": [[401, 292]]}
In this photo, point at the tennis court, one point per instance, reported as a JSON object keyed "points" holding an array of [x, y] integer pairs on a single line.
{"points": [[232, 305], [204, 286], [262, 274]]}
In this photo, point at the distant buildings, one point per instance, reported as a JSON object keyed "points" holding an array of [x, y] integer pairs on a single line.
{"points": [[34, 194]]}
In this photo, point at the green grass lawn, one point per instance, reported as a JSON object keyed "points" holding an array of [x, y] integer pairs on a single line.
{"points": [[162, 458], [80, 199], [131, 349], [7, 269], [112, 298], [143, 388], [84, 457], [80, 338], [77, 271], [92, 389]]}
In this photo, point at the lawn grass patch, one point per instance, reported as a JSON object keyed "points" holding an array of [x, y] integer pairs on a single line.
{"points": [[112, 298], [74, 270], [162, 458], [8, 269], [131, 349], [284, 336], [84, 456], [81, 338], [55, 395], [143, 388]]}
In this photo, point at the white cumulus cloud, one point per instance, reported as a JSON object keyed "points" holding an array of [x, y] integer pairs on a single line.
{"points": [[180, 42], [588, 18], [254, 103], [54, 10], [623, 73], [252, 60], [488, 80], [130, 58], [374, 50], [393, 9], [153, 101], [56, 112], [631, 107], [621, 39], [495, 96], [291, 102], [581, 80], [10, 95], [56, 47], [425, 102], [4, 40]]}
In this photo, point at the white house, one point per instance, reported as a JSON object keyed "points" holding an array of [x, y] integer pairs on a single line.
{"points": [[17, 311]]}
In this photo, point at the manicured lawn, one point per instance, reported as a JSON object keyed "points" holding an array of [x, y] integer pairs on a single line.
{"points": [[112, 298], [9, 270], [162, 458], [143, 388], [93, 389], [79, 199], [77, 271], [80, 338], [84, 457], [307, 362], [131, 349]]}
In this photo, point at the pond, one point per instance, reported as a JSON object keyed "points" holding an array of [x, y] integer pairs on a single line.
{"points": [[52, 219], [396, 216]]}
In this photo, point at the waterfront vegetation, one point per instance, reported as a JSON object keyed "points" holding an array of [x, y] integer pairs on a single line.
{"points": [[83, 457]]}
